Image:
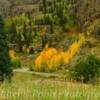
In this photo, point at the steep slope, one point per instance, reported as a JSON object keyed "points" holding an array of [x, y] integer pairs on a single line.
{"points": [[88, 12], [9, 7], [4, 7]]}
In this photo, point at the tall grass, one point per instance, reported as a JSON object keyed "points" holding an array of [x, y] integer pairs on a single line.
{"points": [[28, 87]]}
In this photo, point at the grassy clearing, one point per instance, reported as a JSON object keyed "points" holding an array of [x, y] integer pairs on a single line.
{"points": [[28, 87]]}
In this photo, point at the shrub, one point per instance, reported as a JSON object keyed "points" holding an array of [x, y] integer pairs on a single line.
{"points": [[15, 61], [51, 59], [5, 64], [86, 69], [39, 22]]}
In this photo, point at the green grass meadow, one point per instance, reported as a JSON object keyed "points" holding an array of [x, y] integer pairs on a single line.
{"points": [[29, 87]]}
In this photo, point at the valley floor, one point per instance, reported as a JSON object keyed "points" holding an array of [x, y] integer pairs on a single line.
{"points": [[28, 87]]}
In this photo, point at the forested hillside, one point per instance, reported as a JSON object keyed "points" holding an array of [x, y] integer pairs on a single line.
{"points": [[88, 12], [49, 49]]}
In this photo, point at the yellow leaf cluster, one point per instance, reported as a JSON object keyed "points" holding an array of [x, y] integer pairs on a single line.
{"points": [[12, 55], [53, 58]]}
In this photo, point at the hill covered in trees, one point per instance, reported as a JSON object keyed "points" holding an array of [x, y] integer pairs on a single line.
{"points": [[53, 17], [49, 49], [87, 12]]}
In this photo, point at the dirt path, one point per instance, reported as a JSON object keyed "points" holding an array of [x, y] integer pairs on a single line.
{"points": [[41, 74]]}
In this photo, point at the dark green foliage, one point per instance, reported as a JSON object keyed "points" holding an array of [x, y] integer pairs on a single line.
{"points": [[86, 69], [56, 13], [21, 31], [44, 5], [5, 65], [73, 38], [39, 22], [13, 33], [16, 63]]}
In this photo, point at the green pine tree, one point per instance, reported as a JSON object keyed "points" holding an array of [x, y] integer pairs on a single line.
{"points": [[5, 65]]}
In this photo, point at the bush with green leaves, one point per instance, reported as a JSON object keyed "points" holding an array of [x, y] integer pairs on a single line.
{"points": [[57, 13], [5, 64], [87, 69], [16, 63]]}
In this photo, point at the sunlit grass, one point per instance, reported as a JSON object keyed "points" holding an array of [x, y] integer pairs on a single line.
{"points": [[28, 87]]}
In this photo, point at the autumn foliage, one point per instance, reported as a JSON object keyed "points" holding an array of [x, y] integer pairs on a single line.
{"points": [[14, 59], [51, 59]]}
